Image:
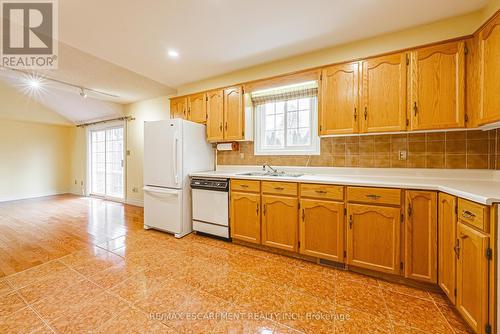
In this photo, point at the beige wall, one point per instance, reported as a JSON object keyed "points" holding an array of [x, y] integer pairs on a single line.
{"points": [[148, 110], [34, 159], [433, 32]]}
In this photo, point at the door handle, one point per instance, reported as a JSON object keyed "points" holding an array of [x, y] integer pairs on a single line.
{"points": [[456, 248]]}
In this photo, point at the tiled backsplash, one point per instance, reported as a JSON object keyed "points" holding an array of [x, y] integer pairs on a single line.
{"points": [[454, 149]]}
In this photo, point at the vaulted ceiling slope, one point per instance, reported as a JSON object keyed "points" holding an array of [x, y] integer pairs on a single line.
{"points": [[214, 37]]}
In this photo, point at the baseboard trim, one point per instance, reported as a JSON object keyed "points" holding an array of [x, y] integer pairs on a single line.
{"points": [[20, 198], [135, 202]]}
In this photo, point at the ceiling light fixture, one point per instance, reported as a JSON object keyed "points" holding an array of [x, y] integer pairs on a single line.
{"points": [[173, 54], [83, 93]]}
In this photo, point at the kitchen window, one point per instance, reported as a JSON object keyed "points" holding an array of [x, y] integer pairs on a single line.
{"points": [[286, 120]]}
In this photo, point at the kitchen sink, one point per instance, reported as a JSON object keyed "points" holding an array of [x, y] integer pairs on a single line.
{"points": [[273, 174]]}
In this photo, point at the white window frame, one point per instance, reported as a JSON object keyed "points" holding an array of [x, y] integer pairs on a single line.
{"points": [[313, 149], [99, 127]]}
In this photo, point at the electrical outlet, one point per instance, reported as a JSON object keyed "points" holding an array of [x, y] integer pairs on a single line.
{"points": [[403, 155]]}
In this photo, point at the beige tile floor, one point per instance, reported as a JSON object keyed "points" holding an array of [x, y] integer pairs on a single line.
{"points": [[150, 282]]}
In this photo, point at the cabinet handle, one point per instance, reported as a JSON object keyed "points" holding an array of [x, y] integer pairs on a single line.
{"points": [[321, 191], [220, 127], [244, 185], [355, 113], [366, 113], [189, 111], [457, 248], [265, 209], [409, 210], [415, 108], [279, 188], [257, 209], [226, 126], [373, 196], [468, 215], [350, 222], [303, 215]]}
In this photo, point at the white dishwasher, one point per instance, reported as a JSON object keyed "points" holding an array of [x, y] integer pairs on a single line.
{"points": [[210, 198]]}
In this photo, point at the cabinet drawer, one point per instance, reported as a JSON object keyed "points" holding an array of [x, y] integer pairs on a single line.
{"points": [[279, 188], [474, 214], [322, 191], [245, 185], [374, 195]]}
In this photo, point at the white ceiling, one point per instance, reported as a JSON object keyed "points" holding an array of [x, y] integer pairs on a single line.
{"points": [[214, 37]]}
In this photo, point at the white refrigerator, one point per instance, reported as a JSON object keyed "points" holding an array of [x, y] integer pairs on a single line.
{"points": [[172, 150]]}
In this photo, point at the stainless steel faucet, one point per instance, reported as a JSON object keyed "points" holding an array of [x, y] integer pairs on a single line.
{"points": [[274, 170]]}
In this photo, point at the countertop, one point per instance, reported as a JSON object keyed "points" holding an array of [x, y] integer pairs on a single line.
{"points": [[478, 186]]}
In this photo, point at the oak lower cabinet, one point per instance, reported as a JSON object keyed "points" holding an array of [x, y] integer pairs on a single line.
{"points": [[280, 222], [245, 216], [322, 229], [373, 237], [472, 276], [447, 231], [420, 260]]}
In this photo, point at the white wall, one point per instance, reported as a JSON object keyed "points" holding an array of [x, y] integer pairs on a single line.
{"points": [[148, 110]]}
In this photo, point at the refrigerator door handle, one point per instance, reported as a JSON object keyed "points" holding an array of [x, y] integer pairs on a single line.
{"points": [[174, 158], [161, 191]]}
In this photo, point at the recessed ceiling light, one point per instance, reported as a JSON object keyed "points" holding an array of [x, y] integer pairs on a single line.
{"points": [[173, 54], [34, 83]]}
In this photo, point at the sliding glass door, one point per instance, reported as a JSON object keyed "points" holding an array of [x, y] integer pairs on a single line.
{"points": [[106, 157]]}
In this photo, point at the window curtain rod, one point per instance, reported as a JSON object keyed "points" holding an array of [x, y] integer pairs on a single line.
{"points": [[126, 118]]}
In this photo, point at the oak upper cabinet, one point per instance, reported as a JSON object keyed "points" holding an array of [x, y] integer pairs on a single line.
{"points": [[489, 72], [178, 107], [437, 90], [472, 276], [280, 222], [421, 236], [245, 216], [383, 94], [447, 232], [197, 108], [373, 237], [322, 229], [215, 112], [234, 120], [339, 107]]}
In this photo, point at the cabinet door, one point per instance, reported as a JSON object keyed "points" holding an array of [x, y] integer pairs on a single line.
{"points": [[280, 222], [215, 112], [339, 99], [233, 113], [245, 217], [373, 237], [437, 87], [447, 234], [383, 94], [421, 236], [489, 55], [322, 229], [178, 108], [472, 277], [197, 110]]}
